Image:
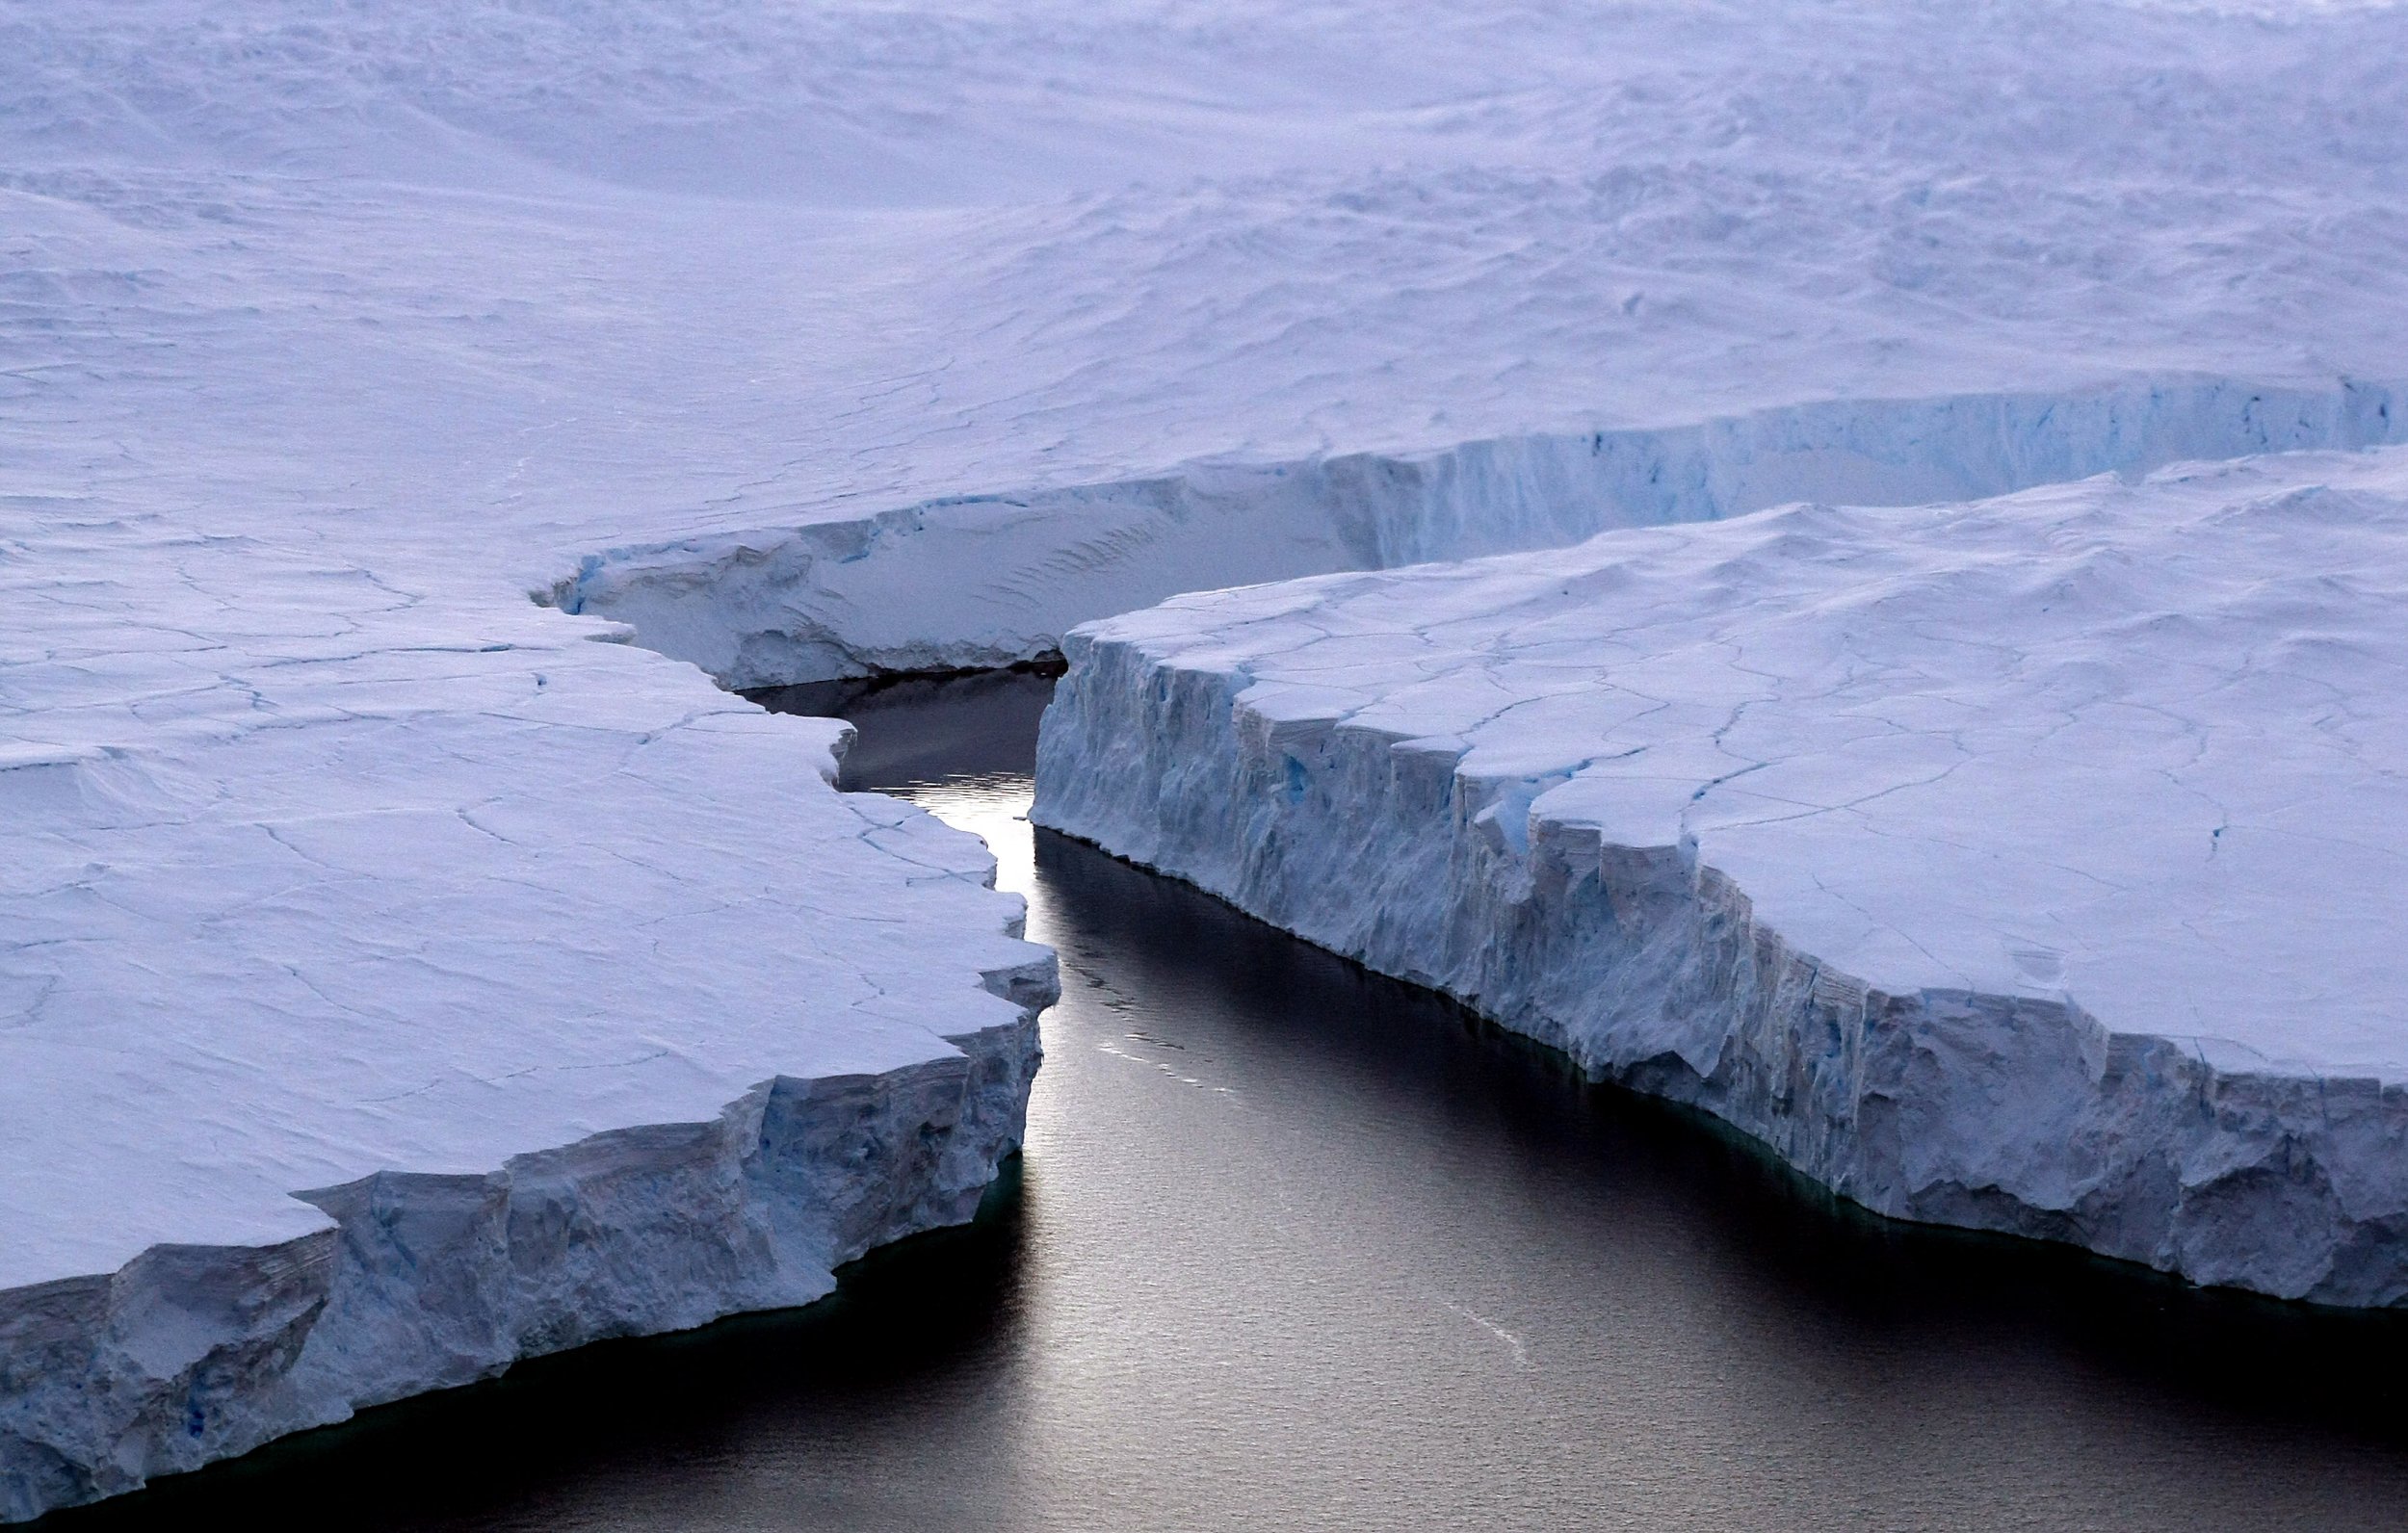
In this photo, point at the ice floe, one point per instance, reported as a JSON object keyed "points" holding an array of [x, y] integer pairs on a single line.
{"points": [[2032, 864]]}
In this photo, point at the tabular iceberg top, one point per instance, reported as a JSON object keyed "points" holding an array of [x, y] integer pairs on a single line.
{"points": [[2135, 745], [309, 871]]}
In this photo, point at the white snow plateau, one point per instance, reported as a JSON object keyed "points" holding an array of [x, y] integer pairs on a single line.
{"points": [[2030, 865], [394, 982]]}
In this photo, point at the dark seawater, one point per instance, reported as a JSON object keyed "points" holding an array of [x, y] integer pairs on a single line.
{"points": [[1295, 1247]]}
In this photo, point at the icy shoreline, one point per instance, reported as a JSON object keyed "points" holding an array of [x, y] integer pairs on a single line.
{"points": [[1912, 1006]]}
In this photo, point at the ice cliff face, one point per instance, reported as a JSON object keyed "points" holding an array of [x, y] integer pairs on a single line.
{"points": [[427, 1279], [352, 909], [853, 336], [2028, 864], [851, 597], [392, 987]]}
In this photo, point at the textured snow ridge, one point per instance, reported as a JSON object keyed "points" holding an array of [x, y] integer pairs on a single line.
{"points": [[2029, 865], [847, 598], [394, 984]]}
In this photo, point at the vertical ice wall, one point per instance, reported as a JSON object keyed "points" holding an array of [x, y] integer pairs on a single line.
{"points": [[2026, 866], [982, 580], [396, 983], [425, 1281]]}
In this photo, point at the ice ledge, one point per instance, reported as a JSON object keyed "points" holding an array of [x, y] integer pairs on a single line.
{"points": [[417, 1282], [851, 596], [394, 984], [2026, 866]]}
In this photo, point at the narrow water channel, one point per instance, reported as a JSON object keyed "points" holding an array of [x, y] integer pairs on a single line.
{"points": [[1295, 1247]]}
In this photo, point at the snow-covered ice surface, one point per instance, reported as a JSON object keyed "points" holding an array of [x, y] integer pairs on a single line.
{"points": [[1548, 269], [785, 317], [2032, 864], [815, 339], [397, 984]]}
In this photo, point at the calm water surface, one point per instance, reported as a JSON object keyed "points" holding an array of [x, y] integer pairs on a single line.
{"points": [[1295, 1247]]}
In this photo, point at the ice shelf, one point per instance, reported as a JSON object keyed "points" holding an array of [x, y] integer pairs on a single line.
{"points": [[395, 986], [393, 982], [794, 338], [852, 596], [2030, 864]]}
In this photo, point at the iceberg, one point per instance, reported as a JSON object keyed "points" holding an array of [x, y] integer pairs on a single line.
{"points": [[2028, 864], [393, 986], [394, 981]]}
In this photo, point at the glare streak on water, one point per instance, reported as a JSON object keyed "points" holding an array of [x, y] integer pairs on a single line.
{"points": [[1295, 1247]]}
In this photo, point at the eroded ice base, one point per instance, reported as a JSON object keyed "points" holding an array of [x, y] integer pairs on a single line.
{"points": [[394, 984], [2029, 865]]}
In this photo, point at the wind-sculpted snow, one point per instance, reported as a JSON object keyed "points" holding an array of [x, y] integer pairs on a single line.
{"points": [[2030, 865], [393, 986]]}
